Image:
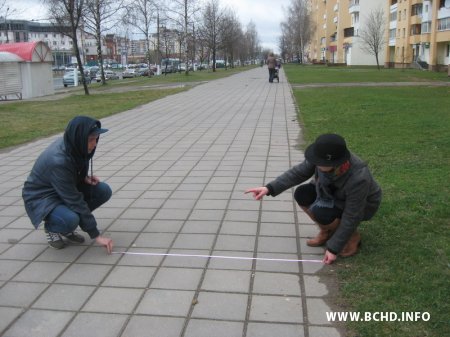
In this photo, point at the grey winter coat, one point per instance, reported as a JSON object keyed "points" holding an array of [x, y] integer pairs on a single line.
{"points": [[356, 193], [56, 174]]}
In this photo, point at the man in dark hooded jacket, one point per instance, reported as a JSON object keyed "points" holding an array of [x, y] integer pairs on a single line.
{"points": [[59, 190]]}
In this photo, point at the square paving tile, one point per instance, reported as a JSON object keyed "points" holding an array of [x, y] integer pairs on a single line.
{"points": [[94, 324], [84, 274], [8, 315], [276, 284], [23, 252], [148, 326], [164, 226], [226, 280], [186, 261], [208, 328], [177, 278], [39, 323], [113, 300], [277, 245], [20, 294], [238, 228], [194, 241], [166, 302], [41, 272], [271, 330], [235, 242], [127, 276], [230, 263], [222, 306], [142, 260], [199, 226], [154, 240], [64, 297], [276, 309], [8, 268], [68, 254]]}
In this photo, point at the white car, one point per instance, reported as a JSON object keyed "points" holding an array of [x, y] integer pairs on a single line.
{"points": [[109, 75]]}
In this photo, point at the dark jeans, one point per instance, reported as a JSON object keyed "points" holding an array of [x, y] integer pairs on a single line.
{"points": [[63, 220], [305, 195], [271, 74]]}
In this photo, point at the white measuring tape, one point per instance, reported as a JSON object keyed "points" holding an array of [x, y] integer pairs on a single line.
{"points": [[218, 257]]}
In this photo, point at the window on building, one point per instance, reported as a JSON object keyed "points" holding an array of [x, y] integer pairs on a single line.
{"points": [[426, 27], [393, 16], [404, 32], [444, 24], [416, 9], [392, 34]]}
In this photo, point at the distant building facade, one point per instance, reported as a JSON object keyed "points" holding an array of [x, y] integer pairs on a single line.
{"points": [[417, 32]]}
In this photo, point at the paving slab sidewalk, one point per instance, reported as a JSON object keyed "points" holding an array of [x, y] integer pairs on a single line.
{"points": [[178, 168]]}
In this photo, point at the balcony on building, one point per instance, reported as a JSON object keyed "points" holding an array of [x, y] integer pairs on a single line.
{"points": [[415, 32], [333, 37], [349, 32], [353, 6]]}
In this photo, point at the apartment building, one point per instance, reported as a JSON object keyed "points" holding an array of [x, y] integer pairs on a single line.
{"points": [[417, 32], [336, 37]]}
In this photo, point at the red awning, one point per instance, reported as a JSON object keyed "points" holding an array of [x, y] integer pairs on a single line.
{"points": [[332, 49], [29, 51]]}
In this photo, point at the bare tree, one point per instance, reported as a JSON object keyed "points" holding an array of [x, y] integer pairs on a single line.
{"points": [[212, 15], [251, 41], [100, 16], [182, 12], [297, 28], [140, 15], [68, 14], [231, 34], [372, 34]]}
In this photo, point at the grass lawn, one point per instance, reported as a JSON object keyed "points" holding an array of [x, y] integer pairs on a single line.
{"points": [[23, 121], [404, 134], [299, 74]]}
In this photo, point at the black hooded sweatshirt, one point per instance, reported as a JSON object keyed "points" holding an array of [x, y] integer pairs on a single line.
{"points": [[57, 173]]}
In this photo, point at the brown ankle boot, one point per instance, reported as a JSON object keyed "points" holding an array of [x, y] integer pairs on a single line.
{"points": [[351, 248], [325, 233], [320, 239]]}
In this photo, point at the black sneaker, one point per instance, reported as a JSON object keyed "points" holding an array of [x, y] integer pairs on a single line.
{"points": [[73, 237], [54, 240]]}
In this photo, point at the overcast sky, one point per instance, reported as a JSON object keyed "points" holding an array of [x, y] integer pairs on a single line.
{"points": [[266, 14]]}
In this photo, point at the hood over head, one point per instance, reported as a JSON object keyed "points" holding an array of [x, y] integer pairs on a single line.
{"points": [[76, 137]]}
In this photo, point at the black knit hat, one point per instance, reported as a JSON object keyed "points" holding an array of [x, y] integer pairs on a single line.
{"points": [[328, 150]]}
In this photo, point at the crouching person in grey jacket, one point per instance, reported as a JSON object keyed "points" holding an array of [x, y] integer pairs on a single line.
{"points": [[59, 190], [341, 194]]}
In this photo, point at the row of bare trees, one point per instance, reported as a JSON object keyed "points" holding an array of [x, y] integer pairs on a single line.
{"points": [[203, 32]]}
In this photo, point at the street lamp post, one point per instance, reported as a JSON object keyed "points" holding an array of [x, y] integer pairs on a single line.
{"points": [[6, 25]]}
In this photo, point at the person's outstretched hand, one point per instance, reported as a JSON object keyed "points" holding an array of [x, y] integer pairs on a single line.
{"points": [[329, 257], [258, 192], [104, 241]]}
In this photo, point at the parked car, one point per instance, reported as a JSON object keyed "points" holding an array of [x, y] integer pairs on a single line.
{"points": [[109, 75], [144, 71], [130, 73], [69, 78]]}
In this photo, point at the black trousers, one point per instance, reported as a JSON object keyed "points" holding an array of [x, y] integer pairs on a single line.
{"points": [[306, 194]]}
